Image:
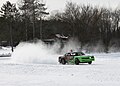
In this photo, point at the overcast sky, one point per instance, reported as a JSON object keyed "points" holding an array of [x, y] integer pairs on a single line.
{"points": [[60, 4]]}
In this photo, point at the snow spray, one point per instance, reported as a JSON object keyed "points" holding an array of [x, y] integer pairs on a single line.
{"points": [[41, 53]]}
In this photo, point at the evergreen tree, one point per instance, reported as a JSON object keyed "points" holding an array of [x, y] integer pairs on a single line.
{"points": [[9, 12], [33, 10]]}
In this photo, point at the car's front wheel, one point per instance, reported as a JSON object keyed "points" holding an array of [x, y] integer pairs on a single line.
{"points": [[90, 62]]}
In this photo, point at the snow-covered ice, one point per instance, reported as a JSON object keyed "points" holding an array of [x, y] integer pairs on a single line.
{"points": [[37, 65], [105, 71]]}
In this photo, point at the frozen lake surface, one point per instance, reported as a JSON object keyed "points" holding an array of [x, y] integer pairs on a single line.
{"points": [[105, 71]]}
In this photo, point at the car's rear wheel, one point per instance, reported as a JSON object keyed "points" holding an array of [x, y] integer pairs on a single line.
{"points": [[90, 62], [59, 60], [77, 61], [63, 61]]}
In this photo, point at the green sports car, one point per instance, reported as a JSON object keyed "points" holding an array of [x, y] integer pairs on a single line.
{"points": [[76, 58]]}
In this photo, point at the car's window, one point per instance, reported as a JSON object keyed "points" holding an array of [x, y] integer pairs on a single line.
{"points": [[75, 54], [67, 54], [72, 54]]}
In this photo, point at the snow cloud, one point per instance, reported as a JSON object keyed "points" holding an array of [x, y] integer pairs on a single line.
{"points": [[41, 53], [35, 53]]}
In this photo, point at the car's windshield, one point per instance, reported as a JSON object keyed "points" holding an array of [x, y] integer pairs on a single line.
{"points": [[82, 53], [79, 53]]}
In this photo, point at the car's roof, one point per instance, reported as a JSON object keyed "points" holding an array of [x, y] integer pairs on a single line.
{"points": [[75, 52]]}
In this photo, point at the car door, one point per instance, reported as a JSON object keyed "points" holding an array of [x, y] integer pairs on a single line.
{"points": [[71, 58]]}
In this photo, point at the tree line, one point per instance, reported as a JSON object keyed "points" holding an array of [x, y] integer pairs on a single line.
{"points": [[92, 26]]}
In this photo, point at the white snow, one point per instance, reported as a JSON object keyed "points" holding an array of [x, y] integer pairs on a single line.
{"points": [[105, 71], [37, 65]]}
